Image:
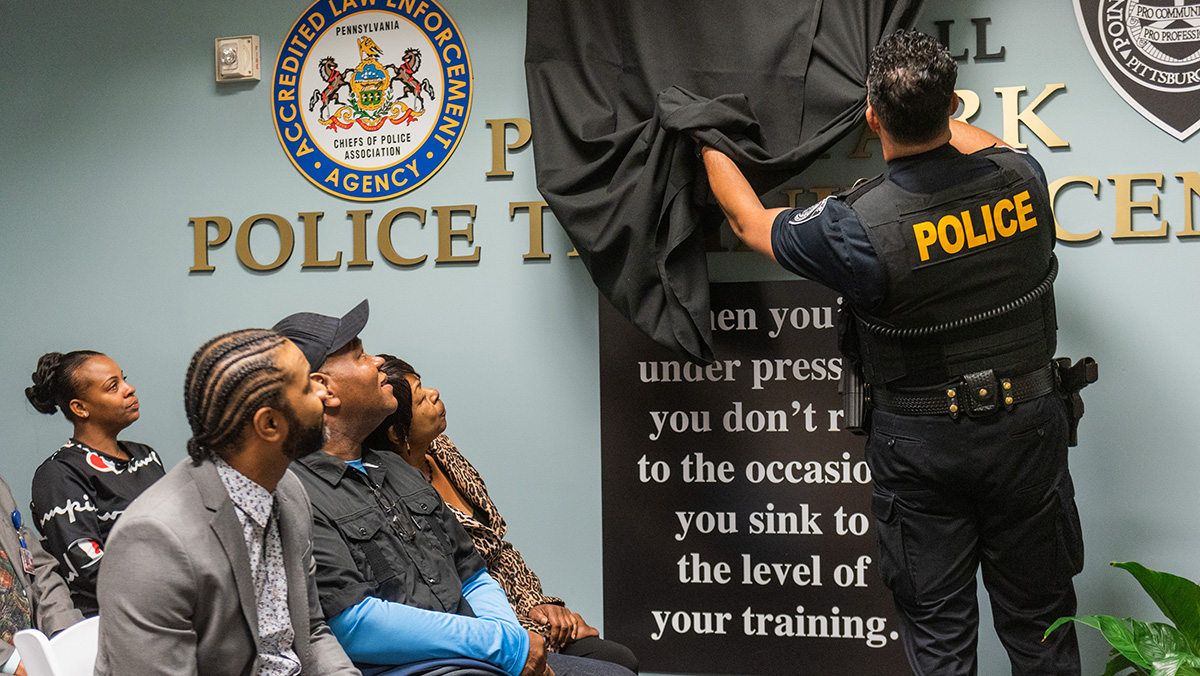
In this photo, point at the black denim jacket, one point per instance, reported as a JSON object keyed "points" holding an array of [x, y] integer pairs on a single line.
{"points": [[385, 534]]}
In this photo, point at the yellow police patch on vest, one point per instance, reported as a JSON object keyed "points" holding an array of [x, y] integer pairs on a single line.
{"points": [[960, 233]]}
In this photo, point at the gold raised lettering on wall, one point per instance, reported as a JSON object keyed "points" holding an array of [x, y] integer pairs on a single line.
{"points": [[287, 241], [537, 247], [447, 233], [860, 151], [970, 104], [1124, 184], [1013, 118], [1060, 232], [312, 257], [385, 236], [499, 129], [1191, 187], [358, 226], [200, 232]]}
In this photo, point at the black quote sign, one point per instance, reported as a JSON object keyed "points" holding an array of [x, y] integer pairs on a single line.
{"points": [[737, 529]]}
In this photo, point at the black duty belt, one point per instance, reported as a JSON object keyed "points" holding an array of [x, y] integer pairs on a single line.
{"points": [[978, 394]]}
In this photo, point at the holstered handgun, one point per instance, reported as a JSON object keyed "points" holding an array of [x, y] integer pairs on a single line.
{"points": [[855, 397], [856, 394], [1071, 379]]}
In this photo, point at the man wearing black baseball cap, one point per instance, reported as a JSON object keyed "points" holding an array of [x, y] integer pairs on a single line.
{"points": [[399, 580], [319, 336]]}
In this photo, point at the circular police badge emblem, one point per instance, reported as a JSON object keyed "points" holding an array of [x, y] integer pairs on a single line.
{"points": [[370, 97], [808, 214], [1156, 43]]}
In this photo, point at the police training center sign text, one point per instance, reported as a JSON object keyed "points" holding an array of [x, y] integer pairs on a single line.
{"points": [[1139, 206], [370, 98], [736, 510]]}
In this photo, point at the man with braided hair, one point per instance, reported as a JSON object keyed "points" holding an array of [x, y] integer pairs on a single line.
{"points": [[210, 572]]}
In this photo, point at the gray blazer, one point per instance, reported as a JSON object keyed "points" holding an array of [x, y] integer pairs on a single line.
{"points": [[175, 590], [48, 593]]}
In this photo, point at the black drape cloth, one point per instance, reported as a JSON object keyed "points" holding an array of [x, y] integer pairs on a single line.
{"points": [[618, 89]]}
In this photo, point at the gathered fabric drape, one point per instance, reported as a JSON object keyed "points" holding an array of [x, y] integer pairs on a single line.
{"points": [[621, 90]]}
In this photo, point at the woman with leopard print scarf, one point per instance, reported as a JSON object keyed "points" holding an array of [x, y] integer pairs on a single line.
{"points": [[415, 432]]}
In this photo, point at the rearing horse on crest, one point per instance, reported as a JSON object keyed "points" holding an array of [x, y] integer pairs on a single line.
{"points": [[335, 78], [407, 75]]}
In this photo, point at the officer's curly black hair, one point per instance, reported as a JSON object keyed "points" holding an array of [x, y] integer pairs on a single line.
{"points": [[910, 84], [229, 379]]}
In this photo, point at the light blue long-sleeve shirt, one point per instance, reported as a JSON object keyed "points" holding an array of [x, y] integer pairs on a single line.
{"points": [[382, 632]]}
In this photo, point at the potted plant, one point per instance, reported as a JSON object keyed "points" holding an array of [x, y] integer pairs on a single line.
{"points": [[1152, 648]]}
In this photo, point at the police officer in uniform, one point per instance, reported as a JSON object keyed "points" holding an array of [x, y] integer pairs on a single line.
{"points": [[945, 267]]}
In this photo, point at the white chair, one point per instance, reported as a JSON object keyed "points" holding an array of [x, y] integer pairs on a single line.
{"points": [[72, 652]]}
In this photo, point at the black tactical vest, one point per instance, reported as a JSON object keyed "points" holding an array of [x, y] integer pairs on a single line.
{"points": [[972, 248]]}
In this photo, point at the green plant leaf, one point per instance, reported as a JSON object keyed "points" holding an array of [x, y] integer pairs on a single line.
{"points": [[1118, 634], [1063, 620], [1120, 663], [1175, 665], [1159, 642], [1178, 598]]}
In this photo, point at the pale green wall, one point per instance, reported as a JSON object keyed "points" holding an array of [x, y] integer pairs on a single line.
{"points": [[113, 134]]}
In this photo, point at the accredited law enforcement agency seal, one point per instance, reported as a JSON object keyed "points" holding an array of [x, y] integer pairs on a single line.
{"points": [[371, 97]]}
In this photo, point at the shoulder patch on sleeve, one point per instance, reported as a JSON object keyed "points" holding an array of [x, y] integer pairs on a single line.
{"points": [[808, 214], [992, 150]]}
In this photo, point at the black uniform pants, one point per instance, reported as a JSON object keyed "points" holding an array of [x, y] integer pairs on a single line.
{"points": [[952, 496], [596, 648]]}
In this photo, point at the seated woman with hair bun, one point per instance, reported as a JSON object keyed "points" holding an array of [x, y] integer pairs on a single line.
{"points": [[414, 432], [81, 489]]}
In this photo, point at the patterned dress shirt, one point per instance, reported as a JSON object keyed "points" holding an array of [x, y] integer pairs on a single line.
{"points": [[256, 509]]}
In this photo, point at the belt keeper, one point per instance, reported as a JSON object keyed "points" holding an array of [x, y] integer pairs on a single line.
{"points": [[1006, 391], [952, 403]]}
